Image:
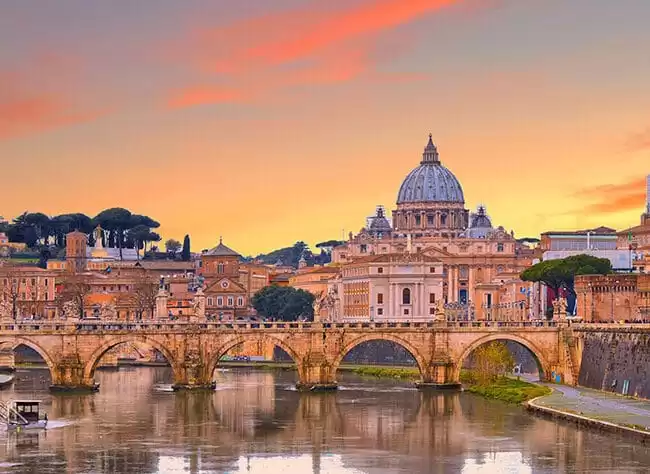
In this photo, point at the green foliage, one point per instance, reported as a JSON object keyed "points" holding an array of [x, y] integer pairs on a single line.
{"points": [[172, 246], [409, 373], [329, 243], [491, 361], [509, 390], [186, 253], [291, 255], [284, 303], [561, 273]]}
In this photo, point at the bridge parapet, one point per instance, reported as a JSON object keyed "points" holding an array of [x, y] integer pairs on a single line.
{"points": [[193, 349]]}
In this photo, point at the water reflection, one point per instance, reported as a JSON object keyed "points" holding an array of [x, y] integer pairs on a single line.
{"points": [[256, 422]]}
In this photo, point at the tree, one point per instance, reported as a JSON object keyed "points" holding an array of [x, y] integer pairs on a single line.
{"points": [[329, 243], [75, 288], [11, 286], [116, 220], [41, 225], [491, 361], [186, 254], [284, 303], [172, 246], [560, 274], [144, 294]]}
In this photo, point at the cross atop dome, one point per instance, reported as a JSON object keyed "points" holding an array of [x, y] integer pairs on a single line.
{"points": [[430, 154]]}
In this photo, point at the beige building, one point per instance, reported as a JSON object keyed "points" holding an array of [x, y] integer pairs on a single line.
{"points": [[479, 264]]}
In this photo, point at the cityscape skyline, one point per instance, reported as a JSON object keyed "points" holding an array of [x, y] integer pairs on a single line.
{"points": [[146, 109]]}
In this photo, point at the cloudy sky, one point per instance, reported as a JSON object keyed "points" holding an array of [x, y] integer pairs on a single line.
{"points": [[273, 121]]}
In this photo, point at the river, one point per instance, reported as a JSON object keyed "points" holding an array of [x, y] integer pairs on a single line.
{"points": [[257, 423]]}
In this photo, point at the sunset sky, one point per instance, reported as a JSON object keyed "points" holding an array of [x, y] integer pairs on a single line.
{"points": [[271, 121]]}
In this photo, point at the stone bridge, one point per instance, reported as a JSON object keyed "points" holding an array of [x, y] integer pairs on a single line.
{"points": [[73, 349]]}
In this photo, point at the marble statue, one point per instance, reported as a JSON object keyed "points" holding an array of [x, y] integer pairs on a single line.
{"points": [[5, 309], [70, 310], [440, 311], [107, 311], [98, 233]]}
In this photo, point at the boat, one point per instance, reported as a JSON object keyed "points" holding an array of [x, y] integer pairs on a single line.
{"points": [[6, 380], [163, 387], [23, 415]]}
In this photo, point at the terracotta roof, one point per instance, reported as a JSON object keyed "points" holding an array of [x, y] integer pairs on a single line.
{"points": [[330, 269], [602, 230], [222, 251]]}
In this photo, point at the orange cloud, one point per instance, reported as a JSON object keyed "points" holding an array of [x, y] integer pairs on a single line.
{"points": [[27, 108], [309, 46], [615, 197]]}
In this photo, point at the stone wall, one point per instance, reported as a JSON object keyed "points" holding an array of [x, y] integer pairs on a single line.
{"points": [[610, 358]]}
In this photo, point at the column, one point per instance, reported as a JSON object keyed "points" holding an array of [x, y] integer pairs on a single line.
{"points": [[449, 284], [391, 304], [470, 283]]}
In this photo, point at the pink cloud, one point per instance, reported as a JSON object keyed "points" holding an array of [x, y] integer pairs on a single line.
{"points": [[27, 107], [614, 197], [310, 46], [638, 141]]}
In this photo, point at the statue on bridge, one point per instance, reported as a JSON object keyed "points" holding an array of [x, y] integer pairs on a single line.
{"points": [[198, 305], [559, 308], [5, 310], [70, 310], [107, 311], [440, 315]]}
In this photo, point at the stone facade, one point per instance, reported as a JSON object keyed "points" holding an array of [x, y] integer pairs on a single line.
{"points": [[479, 263], [73, 350], [615, 297]]}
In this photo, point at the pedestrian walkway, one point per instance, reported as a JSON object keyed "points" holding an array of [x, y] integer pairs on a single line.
{"points": [[601, 406]]}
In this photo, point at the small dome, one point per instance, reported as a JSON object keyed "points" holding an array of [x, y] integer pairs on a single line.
{"points": [[378, 224], [430, 182]]}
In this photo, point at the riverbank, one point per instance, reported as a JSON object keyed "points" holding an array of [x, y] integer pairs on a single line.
{"points": [[596, 409], [509, 390]]}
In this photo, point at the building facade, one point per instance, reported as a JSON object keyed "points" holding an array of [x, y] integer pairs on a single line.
{"points": [[478, 263]]}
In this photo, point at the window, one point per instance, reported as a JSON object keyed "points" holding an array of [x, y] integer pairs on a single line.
{"points": [[380, 298], [219, 301], [220, 268], [240, 301], [430, 219], [46, 282], [432, 310], [499, 247], [210, 301], [230, 301], [432, 298], [380, 270], [406, 296], [33, 281], [432, 269], [363, 248], [380, 311], [406, 311], [443, 219], [418, 221]]}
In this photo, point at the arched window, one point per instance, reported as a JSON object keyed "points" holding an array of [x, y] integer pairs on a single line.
{"points": [[240, 301], [220, 268], [406, 296]]}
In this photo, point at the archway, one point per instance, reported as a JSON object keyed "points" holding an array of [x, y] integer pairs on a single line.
{"points": [[32, 356], [509, 339], [417, 358], [128, 342], [263, 340]]}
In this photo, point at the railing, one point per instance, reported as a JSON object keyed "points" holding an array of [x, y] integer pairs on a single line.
{"points": [[45, 326]]}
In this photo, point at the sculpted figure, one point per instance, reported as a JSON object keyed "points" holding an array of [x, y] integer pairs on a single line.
{"points": [[5, 309]]}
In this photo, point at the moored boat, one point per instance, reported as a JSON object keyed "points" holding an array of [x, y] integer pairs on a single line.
{"points": [[24, 415], [6, 380]]}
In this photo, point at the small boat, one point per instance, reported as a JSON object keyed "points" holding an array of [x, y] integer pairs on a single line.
{"points": [[163, 387], [24, 415], [6, 380]]}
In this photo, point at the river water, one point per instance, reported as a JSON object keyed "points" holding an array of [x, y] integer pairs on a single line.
{"points": [[257, 423]]}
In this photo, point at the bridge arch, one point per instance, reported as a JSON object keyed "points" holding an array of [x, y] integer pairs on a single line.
{"points": [[542, 363], [420, 361], [95, 357], [219, 352], [45, 355]]}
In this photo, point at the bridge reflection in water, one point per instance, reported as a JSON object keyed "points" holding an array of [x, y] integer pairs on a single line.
{"points": [[258, 419]]}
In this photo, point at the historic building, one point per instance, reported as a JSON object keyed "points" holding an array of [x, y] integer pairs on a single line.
{"points": [[226, 296], [615, 297], [434, 251], [27, 291]]}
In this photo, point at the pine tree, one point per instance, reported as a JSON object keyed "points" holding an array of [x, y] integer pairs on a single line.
{"points": [[186, 249]]}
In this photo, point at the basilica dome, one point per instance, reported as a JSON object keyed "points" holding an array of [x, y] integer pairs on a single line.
{"points": [[430, 182]]}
